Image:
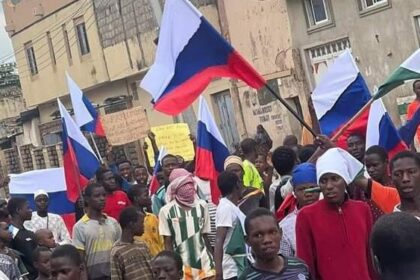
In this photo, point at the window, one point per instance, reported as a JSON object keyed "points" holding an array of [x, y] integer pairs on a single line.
{"points": [[30, 56], [417, 27], [317, 12], [82, 37], [322, 56], [51, 48], [66, 43], [371, 3]]}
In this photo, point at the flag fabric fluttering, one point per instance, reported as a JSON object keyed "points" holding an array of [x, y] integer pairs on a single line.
{"points": [[408, 70], [341, 93], [190, 53], [211, 150], [79, 161], [381, 130], [51, 180], [154, 183], [85, 114], [409, 129]]}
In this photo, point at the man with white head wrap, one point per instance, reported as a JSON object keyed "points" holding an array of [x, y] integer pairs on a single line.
{"points": [[42, 219], [332, 235]]}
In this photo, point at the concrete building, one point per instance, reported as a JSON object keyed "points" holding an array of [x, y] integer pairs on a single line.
{"points": [[380, 33], [107, 47]]}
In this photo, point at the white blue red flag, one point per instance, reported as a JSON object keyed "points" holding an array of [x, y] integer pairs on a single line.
{"points": [[154, 183], [51, 180], [79, 161], [341, 93], [190, 53], [381, 131], [410, 128], [211, 150], [85, 114]]}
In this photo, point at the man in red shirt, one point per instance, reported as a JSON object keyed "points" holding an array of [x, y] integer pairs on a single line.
{"points": [[412, 108], [332, 235], [116, 200]]}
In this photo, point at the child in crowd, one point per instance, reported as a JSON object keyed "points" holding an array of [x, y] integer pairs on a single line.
{"points": [[139, 196], [167, 265], [45, 238], [41, 258], [130, 260]]}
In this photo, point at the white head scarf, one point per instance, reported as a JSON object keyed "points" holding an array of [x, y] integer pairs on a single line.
{"points": [[340, 162]]}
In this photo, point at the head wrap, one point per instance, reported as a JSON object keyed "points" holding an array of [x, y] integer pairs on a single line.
{"points": [[232, 159], [40, 192], [303, 174], [340, 162], [182, 188]]}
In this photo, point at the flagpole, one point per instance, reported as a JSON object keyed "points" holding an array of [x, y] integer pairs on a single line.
{"points": [[96, 147], [352, 120], [290, 109]]}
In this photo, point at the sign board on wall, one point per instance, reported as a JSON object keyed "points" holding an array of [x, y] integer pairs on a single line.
{"points": [[125, 126], [175, 138]]}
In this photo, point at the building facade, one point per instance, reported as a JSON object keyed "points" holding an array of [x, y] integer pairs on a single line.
{"points": [[380, 33], [107, 46]]}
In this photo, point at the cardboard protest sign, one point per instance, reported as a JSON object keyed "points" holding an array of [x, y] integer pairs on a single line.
{"points": [[125, 126], [175, 138]]}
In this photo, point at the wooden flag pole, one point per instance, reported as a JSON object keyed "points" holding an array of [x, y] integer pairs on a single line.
{"points": [[290, 109], [96, 147], [352, 120]]}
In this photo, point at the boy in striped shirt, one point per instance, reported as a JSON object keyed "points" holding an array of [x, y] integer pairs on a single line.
{"points": [[263, 236]]}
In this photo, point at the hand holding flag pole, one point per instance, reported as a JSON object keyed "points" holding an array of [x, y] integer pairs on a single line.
{"points": [[191, 53]]}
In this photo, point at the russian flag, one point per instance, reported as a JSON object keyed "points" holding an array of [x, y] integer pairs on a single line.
{"points": [[211, 150], [341, 93], [381, 130], [80, 162], [85, 115], [409, 130], [154, 183], [189, 55], [52, 181]]}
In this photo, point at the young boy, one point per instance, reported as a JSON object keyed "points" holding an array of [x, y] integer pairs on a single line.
{"points": [[66, 263], [130, 260], [139, 196], [45, 238], [41, 258], [263, 235], [228, 219], [167, 265]]}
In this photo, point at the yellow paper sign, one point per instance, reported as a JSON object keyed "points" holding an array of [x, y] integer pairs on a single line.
{"points": [[125, 126], [175, 138]]}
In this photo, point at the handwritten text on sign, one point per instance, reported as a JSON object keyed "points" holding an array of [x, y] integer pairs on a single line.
{"points": [[175, 138], [125, 126]]}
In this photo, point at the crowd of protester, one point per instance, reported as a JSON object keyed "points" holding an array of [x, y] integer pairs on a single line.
{"points": [[292, 212]]}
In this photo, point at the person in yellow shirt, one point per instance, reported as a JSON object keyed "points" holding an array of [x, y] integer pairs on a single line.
{"points": [[139, 196], [251, 177]]}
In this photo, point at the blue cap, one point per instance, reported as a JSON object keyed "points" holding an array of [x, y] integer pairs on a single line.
{"points": [[303, 174]]}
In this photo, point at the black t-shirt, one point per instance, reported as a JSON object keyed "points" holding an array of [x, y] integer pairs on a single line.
{"points": [[294, 269], [24, 241]]}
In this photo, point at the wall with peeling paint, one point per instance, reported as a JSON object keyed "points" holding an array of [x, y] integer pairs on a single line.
{"points": [[260, 31], [380, 39]]}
